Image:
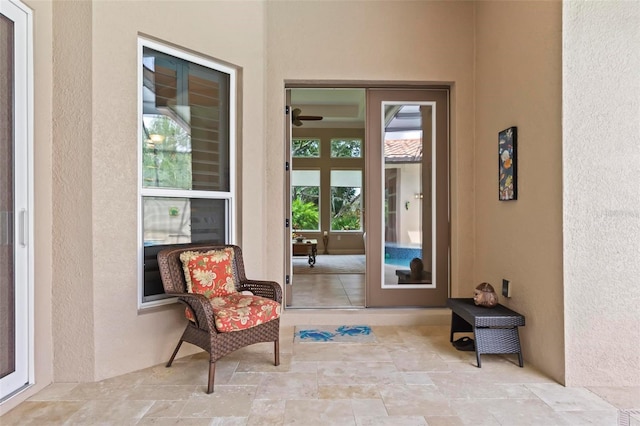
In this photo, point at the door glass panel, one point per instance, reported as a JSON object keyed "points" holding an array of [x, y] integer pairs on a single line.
{"points": [[407, 215], [7, 279]]}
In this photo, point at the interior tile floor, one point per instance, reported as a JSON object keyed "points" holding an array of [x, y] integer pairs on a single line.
{"points": [[410, 376], [328, 291]]}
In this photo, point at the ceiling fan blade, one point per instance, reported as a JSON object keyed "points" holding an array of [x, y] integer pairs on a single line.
{"points": [[297, 118]]}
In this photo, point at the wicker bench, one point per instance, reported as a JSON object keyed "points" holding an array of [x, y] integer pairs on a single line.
{"points": [[495, 329]]}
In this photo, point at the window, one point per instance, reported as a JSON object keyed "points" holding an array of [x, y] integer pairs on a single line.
{"points": [[346, 200], [305, 200], [346, 148], [187, 146], [305, 148]]}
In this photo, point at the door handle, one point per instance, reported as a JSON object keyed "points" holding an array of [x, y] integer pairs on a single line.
{"points": [[24, 229]]}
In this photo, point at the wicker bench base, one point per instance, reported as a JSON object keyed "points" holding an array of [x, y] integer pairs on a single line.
{"points": [[495, 329]]}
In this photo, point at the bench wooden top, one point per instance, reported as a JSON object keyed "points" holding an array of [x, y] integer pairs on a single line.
{"points": [[479, 316]]}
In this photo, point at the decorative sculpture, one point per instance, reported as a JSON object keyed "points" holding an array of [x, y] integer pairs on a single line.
{"points": [[416, 267], [485, 295]]}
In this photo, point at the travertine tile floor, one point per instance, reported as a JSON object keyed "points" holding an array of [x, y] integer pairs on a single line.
{"points": [[328, 291], [410, 376]]}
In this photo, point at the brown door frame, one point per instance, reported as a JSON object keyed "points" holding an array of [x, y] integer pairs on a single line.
{"points": [[443, 286], [376, 296]]}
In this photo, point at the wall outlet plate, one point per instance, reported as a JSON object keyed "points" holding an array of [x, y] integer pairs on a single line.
{"points": [[506, 288]]}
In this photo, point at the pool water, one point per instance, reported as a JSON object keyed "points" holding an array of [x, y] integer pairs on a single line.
{"points": [[398, 255], [397, 262]]}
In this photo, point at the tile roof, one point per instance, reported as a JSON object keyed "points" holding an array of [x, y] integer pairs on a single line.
{"points": [[403, 150]]}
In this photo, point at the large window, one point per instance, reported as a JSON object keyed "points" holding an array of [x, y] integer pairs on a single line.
{"points": [[187, 146], [346, 200]]}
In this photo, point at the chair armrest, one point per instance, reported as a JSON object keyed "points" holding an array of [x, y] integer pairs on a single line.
{"points": [[269, 289], [201, 308]]}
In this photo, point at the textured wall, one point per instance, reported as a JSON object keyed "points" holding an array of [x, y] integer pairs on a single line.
{"points": [[96, 327], [518, 83], [601, 167], [73, 314], [231, 31], [382, 41]]}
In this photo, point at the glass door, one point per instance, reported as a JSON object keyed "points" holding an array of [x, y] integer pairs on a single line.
{"points": [[408, 205], [15, 223]]}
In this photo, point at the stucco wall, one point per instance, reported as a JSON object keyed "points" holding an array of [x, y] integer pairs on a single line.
{"points": [[72, 297], [387, 41], [100, 333], [518, 83], [601, 167]]}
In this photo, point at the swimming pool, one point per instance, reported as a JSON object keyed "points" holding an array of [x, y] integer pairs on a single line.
{"points": [[401, 255]]}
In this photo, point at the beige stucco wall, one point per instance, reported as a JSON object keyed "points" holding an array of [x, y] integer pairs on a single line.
{"points": [[518, 83], [387, 41], [98, 331], [601, 168], [73, 292]]}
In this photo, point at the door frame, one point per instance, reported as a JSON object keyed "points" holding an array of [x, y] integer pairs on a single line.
{"points": [[23, 216], [367, 228], [437, 136]]}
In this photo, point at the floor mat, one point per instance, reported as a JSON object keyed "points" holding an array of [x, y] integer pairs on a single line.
{"points": [[333, 334]]}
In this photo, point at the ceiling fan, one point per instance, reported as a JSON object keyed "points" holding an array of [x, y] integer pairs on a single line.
{"points": [[297, 118]]}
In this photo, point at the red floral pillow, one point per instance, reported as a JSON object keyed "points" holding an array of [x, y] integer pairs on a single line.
{"points": [[210, 273]]}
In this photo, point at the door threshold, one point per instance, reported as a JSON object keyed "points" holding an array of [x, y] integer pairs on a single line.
{"points": [[368, 316], [323, 308]]}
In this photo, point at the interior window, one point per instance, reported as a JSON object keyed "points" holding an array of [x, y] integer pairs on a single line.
{"points": [[346, 200], [305, 200], [346, 148], [187, 151], [305, 148]]}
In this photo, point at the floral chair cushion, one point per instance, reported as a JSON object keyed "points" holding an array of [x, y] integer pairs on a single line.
{"points": [[210, 273], [239, 311]]}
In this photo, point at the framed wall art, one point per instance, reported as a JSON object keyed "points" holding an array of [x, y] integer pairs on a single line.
{"points": [[507, 170]]}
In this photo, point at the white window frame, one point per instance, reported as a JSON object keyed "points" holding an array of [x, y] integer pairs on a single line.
{"points": [[23, 224], [230, 197]]}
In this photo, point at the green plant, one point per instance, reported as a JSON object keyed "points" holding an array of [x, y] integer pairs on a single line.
{"points": [[304, 215]]}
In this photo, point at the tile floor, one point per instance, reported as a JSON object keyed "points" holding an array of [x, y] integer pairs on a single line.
{"points": [[410, 376], [312, 289], [331, 290], [328, 291]]}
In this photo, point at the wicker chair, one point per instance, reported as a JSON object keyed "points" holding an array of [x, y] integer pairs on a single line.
{"points": [[202, 331]]}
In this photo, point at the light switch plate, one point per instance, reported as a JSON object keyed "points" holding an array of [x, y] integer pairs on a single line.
{"points": [[506, 288]]}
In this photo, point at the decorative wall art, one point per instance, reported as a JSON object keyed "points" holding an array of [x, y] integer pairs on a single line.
{"points": [[508, 188]]}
